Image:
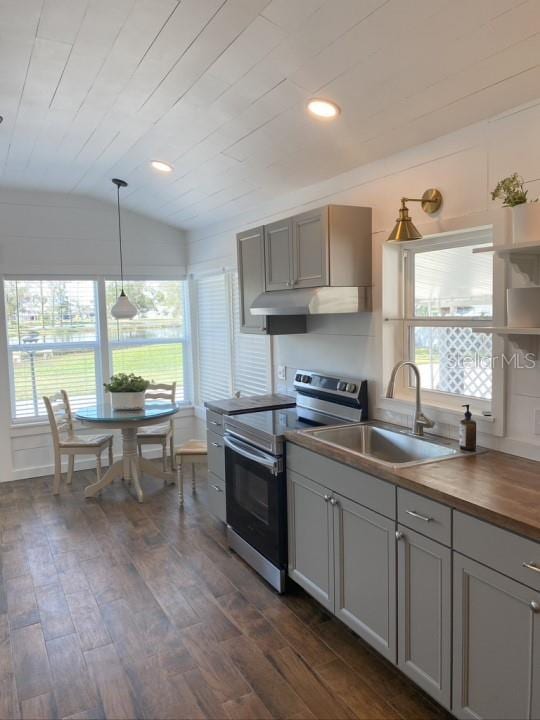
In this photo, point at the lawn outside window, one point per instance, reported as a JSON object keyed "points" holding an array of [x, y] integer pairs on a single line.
{"points": [[448, 292], [56, 338]]}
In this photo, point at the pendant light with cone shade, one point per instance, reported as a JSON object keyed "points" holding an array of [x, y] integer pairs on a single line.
{"points": [[404, 229], [123, 308]]}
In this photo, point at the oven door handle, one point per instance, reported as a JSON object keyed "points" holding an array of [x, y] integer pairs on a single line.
{"points": [[251, 453]]}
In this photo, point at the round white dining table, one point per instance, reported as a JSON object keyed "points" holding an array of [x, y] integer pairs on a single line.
{"points": [[131, 466]]}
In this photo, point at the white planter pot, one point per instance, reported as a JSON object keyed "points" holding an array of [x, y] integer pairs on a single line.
{"points": [[526, 224], [127, 400]]}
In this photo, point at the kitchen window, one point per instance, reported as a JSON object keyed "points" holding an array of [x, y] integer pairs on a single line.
{"points": [[229, 361], [56, 339], [449, 292]]}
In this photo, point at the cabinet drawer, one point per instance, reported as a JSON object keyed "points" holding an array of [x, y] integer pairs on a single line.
{"points": [[500, 549], [216, 454], [214, 422], [216, 497], [425, 516], [356, 485]]}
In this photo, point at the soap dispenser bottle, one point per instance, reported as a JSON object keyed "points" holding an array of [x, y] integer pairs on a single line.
{"points": [[467, 431]]}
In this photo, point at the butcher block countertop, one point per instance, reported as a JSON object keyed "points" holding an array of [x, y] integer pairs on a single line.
{"points": [[493, 486], [250, 403]]}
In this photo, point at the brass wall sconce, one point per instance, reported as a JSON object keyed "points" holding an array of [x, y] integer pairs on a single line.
{"points": [[404, 229]]}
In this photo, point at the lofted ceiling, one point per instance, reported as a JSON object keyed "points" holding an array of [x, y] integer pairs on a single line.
{"points": [[91, 89]]}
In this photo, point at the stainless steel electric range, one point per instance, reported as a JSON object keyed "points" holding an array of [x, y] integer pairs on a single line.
{"points": [[255, 466]]}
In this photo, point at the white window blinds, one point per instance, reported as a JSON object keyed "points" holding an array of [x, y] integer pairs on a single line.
{"points": [[229, 361], [251, 353], [52, 342], [214, 346]]}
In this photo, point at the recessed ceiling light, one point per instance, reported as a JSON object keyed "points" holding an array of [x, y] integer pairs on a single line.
{"points": [[323, 108], [161, 166]]}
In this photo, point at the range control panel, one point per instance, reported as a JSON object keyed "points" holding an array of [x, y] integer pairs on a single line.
{"points": [[309, 379]]}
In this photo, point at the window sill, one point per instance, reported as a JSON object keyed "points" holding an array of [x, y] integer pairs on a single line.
{"points": [[440, 413]]}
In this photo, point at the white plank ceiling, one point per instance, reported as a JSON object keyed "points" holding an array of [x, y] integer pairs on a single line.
{"points": [[91, 89]]}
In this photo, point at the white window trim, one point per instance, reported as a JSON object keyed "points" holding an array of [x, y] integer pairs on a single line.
{"points": [[391, 348], [449, 401], [102, 346]]}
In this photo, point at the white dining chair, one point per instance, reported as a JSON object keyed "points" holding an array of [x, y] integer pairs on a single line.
{"points": [[67, 442], [159, 434]]}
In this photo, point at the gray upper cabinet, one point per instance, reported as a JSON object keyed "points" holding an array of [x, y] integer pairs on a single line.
{"points": [[310, 538], [424, 612], [250, 253], [278, 255], [328, 246], [365, 573], [496, 671], [310, 249]]}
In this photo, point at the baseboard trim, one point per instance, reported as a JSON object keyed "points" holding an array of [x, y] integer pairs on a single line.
{"points": [[84, 463]]}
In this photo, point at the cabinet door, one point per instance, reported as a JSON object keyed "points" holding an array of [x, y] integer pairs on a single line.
{"points": [[310, 538], [250, 254], [278, 255], [310, 249], [365, 573], [424, 612], [496, 670]]}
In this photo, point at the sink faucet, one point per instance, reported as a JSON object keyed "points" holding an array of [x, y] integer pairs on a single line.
{"points": [[420, 421]]}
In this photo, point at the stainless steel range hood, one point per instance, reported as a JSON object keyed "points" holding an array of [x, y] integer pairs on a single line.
{"points": [[313, 301]]}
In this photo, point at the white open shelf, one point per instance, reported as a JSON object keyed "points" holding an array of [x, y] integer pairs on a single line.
{"points": [[505, 250], [505, 330]]}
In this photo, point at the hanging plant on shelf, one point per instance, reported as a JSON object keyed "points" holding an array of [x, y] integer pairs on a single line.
{"points": [[525, 213]]}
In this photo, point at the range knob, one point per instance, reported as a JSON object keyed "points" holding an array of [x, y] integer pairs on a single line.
{"points": [[306, 379], [298, 377], [341, 386], [351, 387]]}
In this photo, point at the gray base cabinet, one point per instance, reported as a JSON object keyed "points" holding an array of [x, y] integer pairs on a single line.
{"points": [[344, 555], [216, 465], [424, 613], [496, 670], [311, 561], [365, 573]]}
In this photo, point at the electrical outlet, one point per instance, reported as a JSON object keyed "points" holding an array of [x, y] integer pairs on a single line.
{"points": [[282, 372]]}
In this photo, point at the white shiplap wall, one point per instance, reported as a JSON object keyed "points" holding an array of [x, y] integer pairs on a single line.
{"points": [[50, 234], [465, 165]]}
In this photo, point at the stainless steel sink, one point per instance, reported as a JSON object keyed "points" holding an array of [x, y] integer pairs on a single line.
{"points": [[385, 445]]}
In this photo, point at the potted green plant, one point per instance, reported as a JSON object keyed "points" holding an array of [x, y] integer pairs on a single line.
{"points": [[525, 213], [127, 391]]}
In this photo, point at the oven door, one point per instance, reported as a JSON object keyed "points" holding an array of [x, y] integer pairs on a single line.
{"points": [[256, 499]]}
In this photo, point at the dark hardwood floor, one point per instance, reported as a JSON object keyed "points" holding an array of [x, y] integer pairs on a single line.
{"points": [[112, 609]]}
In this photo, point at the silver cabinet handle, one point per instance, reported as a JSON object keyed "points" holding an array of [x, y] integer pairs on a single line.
{"points": [[333, 501], [531, 566], [215, 444], [326, 498], [216, 488], [535, 606], [214, 422], [399, 535], [425, 518]]}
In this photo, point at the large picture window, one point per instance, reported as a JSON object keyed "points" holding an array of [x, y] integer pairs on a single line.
{"points": [[152, 344], [449, 291], [54, 340]]}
